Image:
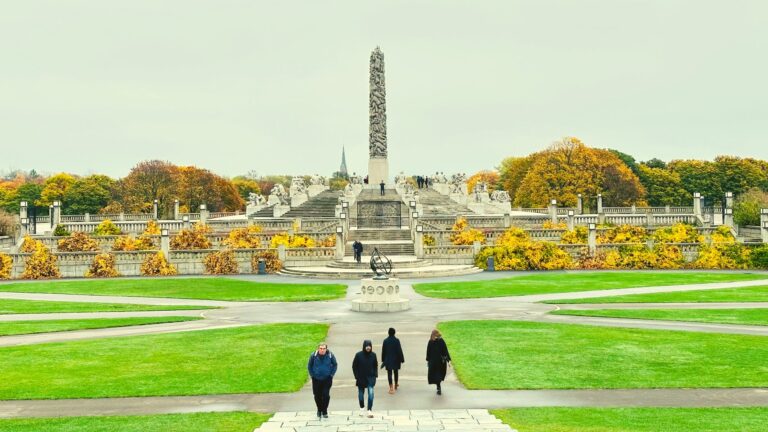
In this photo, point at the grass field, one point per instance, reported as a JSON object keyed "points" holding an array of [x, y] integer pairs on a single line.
{"points": [[14, 306], [187, 288], [529, 355], [10, 328], [728, 295], [720, 316], [635, 419], [548, 283], [196, 422], [251, 359]]}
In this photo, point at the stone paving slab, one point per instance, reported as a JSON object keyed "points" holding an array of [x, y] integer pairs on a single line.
{"points": [[395, 420]]}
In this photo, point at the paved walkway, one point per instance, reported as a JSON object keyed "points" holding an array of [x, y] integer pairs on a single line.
{"points": [[349, 329]]}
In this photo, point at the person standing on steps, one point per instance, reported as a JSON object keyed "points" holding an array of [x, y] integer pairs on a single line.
{"points": [[322, 367], [365, 368], [438, 359], [392, 358], [357, 247], [381, 187]]}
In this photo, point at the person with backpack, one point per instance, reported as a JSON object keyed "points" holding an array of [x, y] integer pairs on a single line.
{"points": [[322, 367]]}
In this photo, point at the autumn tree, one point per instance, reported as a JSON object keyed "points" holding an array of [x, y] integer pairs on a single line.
{"points": [[89, 194], [245, 186], [195, 186], [491, 179], [55, 188], [663, 187], [512, 171], [147, 181]]}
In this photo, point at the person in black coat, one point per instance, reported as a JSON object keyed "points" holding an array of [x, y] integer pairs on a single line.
{"points": [[392, 358], [357, 247], [365, 367], [438, 359]]}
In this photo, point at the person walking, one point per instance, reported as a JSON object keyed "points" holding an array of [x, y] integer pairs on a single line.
{"points": [[438, 360], [365, 368], [322, 367], [392, 358], [357, 247]]}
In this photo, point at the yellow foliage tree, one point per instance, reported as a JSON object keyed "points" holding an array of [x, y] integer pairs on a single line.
{"points": [[128, 243], [244, 238], [291, 241], [726, 256], [153, 228], [559, 225], [221, 262], [491, 178], [106, 228], [678, 233], [157, 265], [577, 236], [41, 264], [622, 234], [193, 238], [78, 242], [6, 265], [464, 235], [103, 265], [428, 240], [28, 245]]}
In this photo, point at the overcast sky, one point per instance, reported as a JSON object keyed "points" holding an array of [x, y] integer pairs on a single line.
{"points": [[280, 86]]}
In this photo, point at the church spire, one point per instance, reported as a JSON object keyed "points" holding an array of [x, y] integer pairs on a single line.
{"points": [[343, 169]]}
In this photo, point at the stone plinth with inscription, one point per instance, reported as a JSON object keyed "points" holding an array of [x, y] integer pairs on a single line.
{"points": [[380, 295]]}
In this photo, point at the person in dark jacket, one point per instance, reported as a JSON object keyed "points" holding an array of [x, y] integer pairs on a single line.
{"points": [[365, 367], [438, 359], [392, 358], [357, 247], [322, 367]]}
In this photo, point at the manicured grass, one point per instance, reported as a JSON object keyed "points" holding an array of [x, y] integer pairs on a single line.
{"points": [[727, 295], [529, 355], [188, 288], [251, 359], [721, 316], [13, 306], [28, 327], [547, 283], [196, 422], [635, 419]]}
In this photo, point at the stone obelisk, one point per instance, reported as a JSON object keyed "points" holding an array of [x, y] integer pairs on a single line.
{"points": [[378, 166]]}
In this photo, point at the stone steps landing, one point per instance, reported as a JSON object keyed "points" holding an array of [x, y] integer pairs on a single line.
{"points": [[405, 420]]}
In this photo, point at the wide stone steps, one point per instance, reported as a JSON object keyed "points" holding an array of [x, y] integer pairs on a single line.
{"points": [[387, 421], [364, 263], [321, 205], [434, 204], [385, 247], [403, 273], [379, 234]]}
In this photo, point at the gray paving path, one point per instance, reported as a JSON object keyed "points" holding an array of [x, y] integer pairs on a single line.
{"points": [[346, 336]]}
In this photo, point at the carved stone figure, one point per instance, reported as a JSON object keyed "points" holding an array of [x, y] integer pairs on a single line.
{"points": [[317, 180], [278, 191], [256, 199], [297, 185], [377, 109], [355, 179]]}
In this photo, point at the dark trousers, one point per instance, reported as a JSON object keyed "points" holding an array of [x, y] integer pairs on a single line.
{"points": [[322, 391], [358, 256], [390, 372]]}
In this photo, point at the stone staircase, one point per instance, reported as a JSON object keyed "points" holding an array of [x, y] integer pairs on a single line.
{"points": [[320, 205], [436, 204], [389, 241], [478, 420]]}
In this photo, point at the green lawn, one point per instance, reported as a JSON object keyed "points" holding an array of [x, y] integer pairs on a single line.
{"points": [[188, 288], [529, 355], [721, 316], [10, 328], [635, 419], [547, 283], [14, 306], [251, 359], [197, 422], [727, 295]]}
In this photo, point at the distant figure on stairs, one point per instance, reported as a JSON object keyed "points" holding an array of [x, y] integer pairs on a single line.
{"points": [[357, 247], [381, 187]]}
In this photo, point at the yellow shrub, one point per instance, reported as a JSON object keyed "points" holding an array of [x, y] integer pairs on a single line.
{"points": [[558, 225], [529, 255], [428, 240], [678, 233], [723, 234], [103, 265], [78, 242], [601, 260], [295, 241], [157, 265], [221, 262], [273, 263], [127, 243], [722, 256], [193, 238], [28, 245], [577, 236], [329, 241], [244, 238], [41, 264], [6, 265], [622, 234], [464, 235], [513, 236], [106, 227], [153, 228]]}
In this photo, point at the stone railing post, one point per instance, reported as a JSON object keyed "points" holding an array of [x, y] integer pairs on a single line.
{"points": [[728, 217], [23, 210], [697, 204], [571, 220], [599, 203], [281, 253], [121, 218], [175, 209], [667, 209], [165, 243], [476, 246], [341, 244], [415, 222], [592, 239], [729, 200], [155, 209], [634, 208], [553, 211], [418, 242], [204, 213], [344, 222], [579, 204], [185, 222], [764, 224], [87, 217], [649, 219], [507, 220]]}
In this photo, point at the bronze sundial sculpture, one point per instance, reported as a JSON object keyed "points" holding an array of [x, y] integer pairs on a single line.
{"points": [[380, 265]]}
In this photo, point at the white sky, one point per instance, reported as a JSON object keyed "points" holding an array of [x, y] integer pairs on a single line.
{"points": [[92, 86]]}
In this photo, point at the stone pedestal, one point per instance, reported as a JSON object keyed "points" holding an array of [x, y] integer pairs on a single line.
{"points": [[313, 190], [298, 199], [378, 170], [253, 208], [280, 209], [380, 295]]}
